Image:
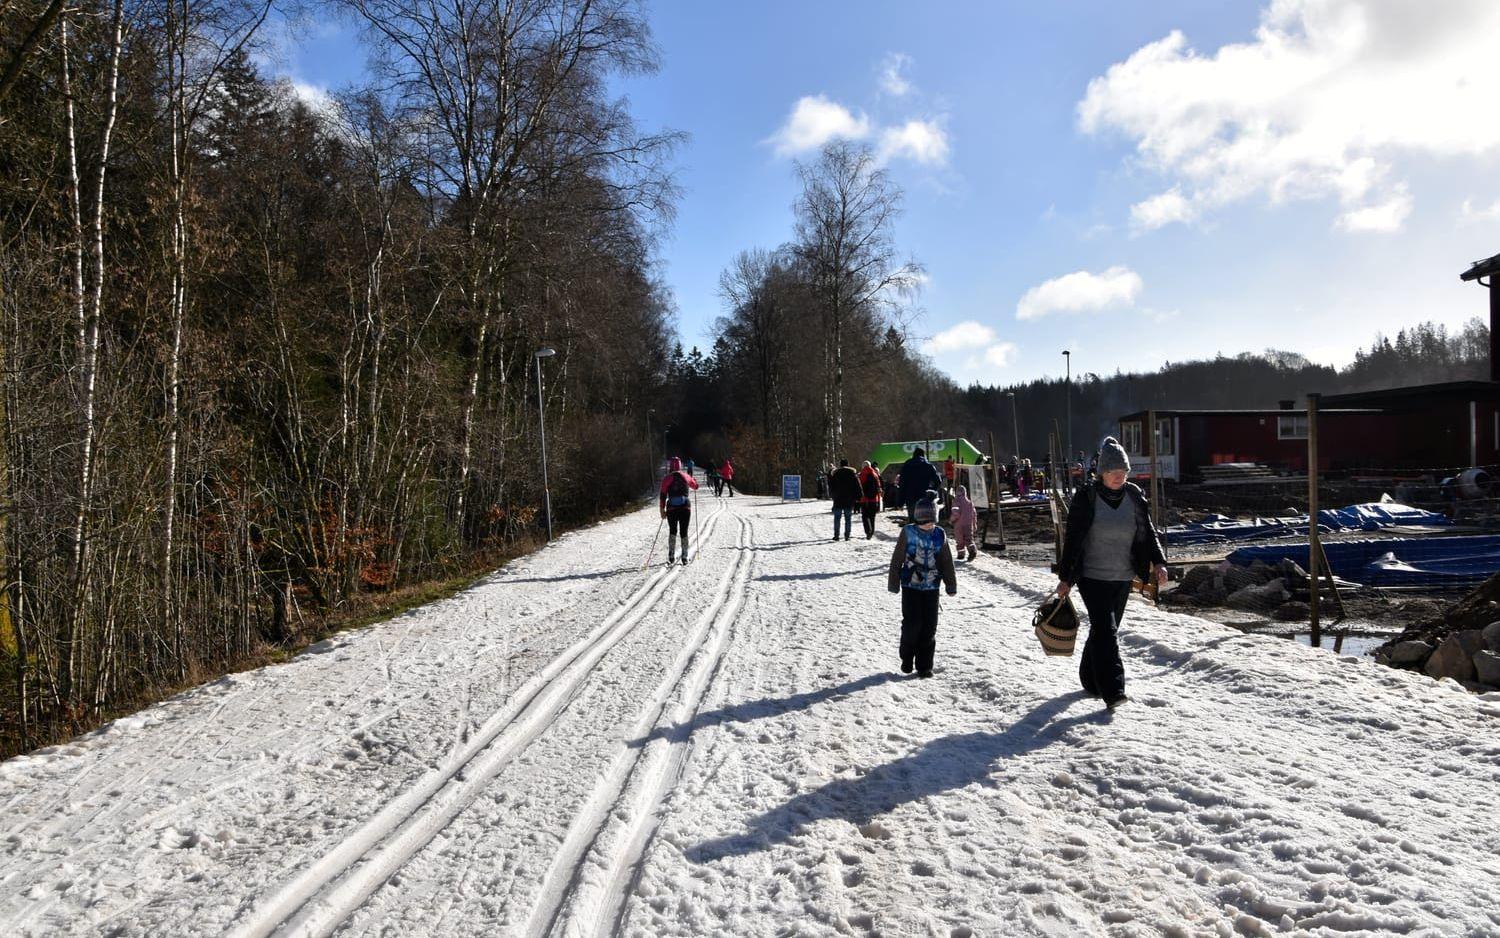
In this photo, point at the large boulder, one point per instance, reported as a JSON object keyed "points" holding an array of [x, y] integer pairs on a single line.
{"points": [[1491, 635], [1451, 660], [1237, 578], [1195, 578], [1263, 597], [1263, 571], [1409, 653], [1292, 571], [1487, 667], [1292, 612]]}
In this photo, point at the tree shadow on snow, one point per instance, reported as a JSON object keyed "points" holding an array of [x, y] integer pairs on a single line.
{"points": [[752, 710], [598, 575], [945, 764], [868, 571]]}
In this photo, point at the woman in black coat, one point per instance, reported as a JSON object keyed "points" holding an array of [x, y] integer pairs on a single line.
{"points": [[1110, 541]]}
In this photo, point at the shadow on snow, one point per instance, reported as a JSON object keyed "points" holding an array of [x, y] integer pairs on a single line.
{"points": [[752, 710], [945, 764]]}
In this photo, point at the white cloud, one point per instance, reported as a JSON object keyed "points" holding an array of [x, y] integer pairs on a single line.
{"points": [[893, 80], [966, 335], [1163, 209], [922, 141], [814, 121], [1081, 292], [1000, 355], [1471, 214], [1324, 101], [1384, 218]]}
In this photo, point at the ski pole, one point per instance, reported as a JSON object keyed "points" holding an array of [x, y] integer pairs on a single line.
{"points": [[647, 561], [697, 546]]}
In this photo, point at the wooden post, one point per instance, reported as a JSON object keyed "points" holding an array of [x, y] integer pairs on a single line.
{"points": [[995, 492], [1155, 492], [1314, 544]]}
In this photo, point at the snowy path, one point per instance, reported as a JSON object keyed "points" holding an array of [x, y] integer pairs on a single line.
{"points": [[579, 747]]}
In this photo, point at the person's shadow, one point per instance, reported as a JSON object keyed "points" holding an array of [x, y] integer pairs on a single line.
{"points": [[760, 709], [944, 764]]}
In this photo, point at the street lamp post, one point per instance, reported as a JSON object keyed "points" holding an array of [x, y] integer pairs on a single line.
{"points": [[541, 413], [1068, 396], [1015, 423]]}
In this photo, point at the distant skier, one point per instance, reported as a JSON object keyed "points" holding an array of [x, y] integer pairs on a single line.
{"points": [[965, 523], [1109, 542], [727, 473], [844, 489], [677, 506], [917, 476], [920, 561], [869, 497], [711, 474]]}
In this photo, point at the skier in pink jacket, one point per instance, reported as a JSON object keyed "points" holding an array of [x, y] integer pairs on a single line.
{"points": [[677, 506]]}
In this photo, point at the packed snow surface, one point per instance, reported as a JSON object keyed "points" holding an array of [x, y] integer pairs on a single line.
{"points": [[577, 746]]}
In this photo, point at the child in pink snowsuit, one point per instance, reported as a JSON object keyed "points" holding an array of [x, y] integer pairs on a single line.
{"points": [[965, 523]]}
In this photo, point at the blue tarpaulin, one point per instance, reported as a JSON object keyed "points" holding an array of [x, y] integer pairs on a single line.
{"points": [[1373, 516], [1406, 561]]}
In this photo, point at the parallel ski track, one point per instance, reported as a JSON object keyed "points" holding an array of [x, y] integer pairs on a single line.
{"points": [[614, 829], [318, 900]]}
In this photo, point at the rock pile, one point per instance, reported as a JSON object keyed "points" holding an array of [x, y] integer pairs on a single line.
{"points": [[1471, 656], [1260, 587], [1460, 641]]}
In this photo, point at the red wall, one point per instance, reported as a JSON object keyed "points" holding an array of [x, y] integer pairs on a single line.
{"points": [[1345, 441]]}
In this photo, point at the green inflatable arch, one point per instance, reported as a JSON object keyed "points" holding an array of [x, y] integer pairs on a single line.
{"points": [[887, 454]]}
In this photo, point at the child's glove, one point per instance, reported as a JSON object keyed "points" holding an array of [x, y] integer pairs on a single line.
{"points": [[952, 591], [894, 589]]}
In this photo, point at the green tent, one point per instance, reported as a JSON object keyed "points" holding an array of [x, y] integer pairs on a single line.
{"points": [[888, 454]]}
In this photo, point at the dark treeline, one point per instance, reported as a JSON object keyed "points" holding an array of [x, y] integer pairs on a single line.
{"points": [[265, 358]]}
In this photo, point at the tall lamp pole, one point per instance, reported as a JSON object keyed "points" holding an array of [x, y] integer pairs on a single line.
{"points": [[1068, 395], [1015, 422], [541, 413]]}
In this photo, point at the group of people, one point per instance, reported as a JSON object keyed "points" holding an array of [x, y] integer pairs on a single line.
{"points": [[719, 477], [1109, 543]]}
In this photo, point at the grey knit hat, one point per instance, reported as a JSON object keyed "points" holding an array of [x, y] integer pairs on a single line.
{"points": [[1112, 456], [925, 511]]}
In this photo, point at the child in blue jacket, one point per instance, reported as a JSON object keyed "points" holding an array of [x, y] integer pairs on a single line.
{"points": [[921, 559]]}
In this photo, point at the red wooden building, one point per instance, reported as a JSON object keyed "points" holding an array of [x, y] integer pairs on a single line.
{"points": [[1435, 427]]}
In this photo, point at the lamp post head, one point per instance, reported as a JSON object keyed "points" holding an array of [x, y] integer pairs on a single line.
{"points": [[545, 351]]}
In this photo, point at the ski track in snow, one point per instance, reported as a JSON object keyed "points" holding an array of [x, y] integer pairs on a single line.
{"points": [[576, 746]]}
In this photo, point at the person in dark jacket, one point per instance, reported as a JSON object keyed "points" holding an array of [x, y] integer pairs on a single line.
{"points": [[1110, 541], [917, 476], [920, 561], [843, 488], [869, 497]]}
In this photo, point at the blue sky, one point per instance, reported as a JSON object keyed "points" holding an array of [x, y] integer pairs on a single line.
{"points": [[1137, 181]]}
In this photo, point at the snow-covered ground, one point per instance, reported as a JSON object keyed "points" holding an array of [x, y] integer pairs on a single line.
{"points": [[580, 747]]}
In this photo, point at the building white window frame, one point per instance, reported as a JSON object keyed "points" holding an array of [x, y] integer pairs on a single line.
{"points": [[1291, 426]]}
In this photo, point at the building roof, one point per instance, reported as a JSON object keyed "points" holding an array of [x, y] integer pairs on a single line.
{"points": [[1450, 390], [1262, 412], [1485, 268]]}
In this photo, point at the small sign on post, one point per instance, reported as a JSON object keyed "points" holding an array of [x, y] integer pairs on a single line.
{"points": [[791, 488]]}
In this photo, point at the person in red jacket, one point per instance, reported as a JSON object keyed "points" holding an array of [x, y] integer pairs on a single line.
{"points": [[870, 494], [726, 472], [676, 502]]}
